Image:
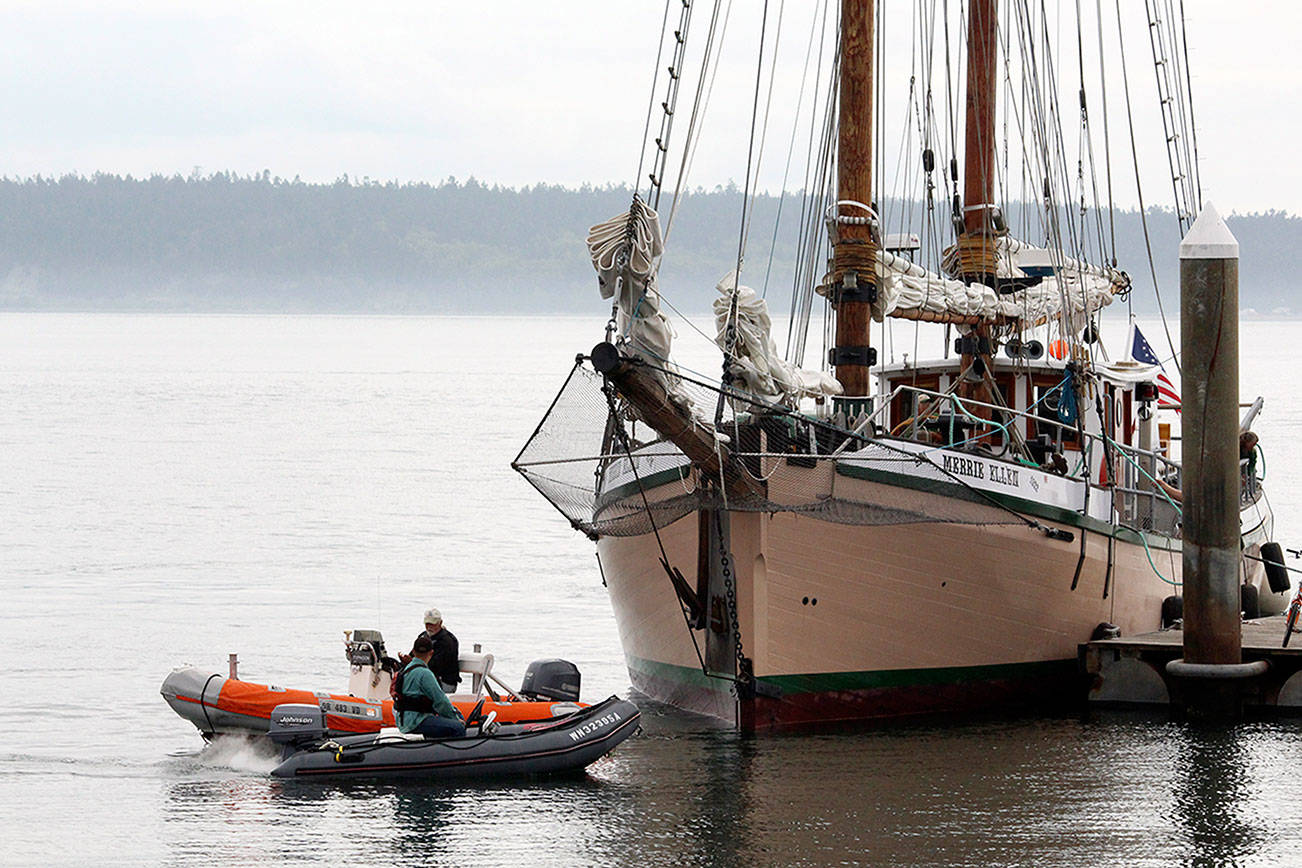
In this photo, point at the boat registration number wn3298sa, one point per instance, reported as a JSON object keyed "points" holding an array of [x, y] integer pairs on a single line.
{"points": [[592, 726]]}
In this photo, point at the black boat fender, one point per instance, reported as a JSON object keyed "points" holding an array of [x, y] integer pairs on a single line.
{"points": [[1272, 556], [1172, 610]]}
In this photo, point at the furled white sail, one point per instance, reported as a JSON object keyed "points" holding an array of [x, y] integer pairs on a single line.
{"points": [[756, 362], [905, 289], [626, 251]]}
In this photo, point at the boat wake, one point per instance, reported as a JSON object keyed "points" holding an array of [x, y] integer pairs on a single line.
{"points": [[237, 754]]}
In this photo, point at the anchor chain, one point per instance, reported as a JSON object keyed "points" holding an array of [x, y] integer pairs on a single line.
{"points": [[745, 676], [609, 390]]}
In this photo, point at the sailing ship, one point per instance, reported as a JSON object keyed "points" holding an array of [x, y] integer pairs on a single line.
{"points": [[785, 548]]}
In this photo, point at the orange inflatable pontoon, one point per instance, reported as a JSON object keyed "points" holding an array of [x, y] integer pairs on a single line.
{"points": [[222, 705]]}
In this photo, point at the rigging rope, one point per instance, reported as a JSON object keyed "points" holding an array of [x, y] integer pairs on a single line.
{"points": [[1171, 107], [622, 436], [1038, 114], [704, 88], [1193, 127], [651, 100], [1107, 142], [768, 105], [1139, 190], [813, 200], [730, 329], [791, 150]]}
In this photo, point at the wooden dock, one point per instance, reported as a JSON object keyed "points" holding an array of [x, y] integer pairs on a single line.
{"points": [[1131, 670]]}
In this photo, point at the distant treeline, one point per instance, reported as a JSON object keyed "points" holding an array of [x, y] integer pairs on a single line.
{"points": [[224, 242]]}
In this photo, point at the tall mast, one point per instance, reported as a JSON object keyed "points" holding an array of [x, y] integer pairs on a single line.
{"points": [[977, 259], [976, 245], [854, 252]]}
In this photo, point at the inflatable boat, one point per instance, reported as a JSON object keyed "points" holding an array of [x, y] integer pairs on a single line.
{"points": [[224, 705], [488, 750]]}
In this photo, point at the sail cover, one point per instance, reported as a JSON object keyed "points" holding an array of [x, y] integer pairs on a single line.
{"points": [[907, 290]]}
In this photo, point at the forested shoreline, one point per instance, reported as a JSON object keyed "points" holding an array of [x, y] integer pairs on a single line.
{"points": [[224, 243]]}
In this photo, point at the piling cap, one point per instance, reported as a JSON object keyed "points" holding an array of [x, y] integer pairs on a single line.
{"points": [[1209, 238]]}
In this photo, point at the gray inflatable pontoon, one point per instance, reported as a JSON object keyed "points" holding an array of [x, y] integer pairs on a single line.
{"points": [[566, 745]]}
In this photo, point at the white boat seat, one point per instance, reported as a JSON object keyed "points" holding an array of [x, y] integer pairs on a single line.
{"points": [[395, 733], [478, 666]]}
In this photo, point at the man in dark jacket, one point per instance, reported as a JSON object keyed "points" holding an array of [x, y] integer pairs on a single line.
{"points": [[444, 661]]}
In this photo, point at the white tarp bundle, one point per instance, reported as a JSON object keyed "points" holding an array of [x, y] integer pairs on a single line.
{"points": [[1129, 371], [756, 361], [640, 320], [903, 287]]}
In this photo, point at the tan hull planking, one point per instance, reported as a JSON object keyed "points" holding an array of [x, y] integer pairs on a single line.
{"points": [[891, 597]]}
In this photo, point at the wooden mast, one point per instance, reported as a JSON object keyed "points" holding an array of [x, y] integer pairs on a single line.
{"points": [[854, 253], [977, 261], [979, 140]]}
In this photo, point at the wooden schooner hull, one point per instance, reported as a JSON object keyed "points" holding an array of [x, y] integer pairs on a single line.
{"points": [[943, 541], [850, 623]]}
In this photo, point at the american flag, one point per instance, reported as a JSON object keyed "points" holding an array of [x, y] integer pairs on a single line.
{"points": [[1140, 350]]}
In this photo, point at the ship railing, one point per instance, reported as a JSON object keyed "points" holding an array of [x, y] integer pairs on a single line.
{"points": [[1250, 493], [953, 422], [1139, 502], [947, 413]]}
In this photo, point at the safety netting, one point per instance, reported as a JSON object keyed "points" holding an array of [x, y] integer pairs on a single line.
{"points": [[611, 474]]}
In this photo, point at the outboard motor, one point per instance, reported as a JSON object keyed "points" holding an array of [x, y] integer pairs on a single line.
{"points": [[370, 669], [296, 725], [365, 648], [553, 679]]}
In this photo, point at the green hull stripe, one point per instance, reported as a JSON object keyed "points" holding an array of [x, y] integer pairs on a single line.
{"points": [[648, 482], [1046, 511], [688, 676], [831, 682]]}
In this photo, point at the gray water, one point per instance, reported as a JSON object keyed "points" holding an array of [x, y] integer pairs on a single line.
{"points": [[176, 488]]}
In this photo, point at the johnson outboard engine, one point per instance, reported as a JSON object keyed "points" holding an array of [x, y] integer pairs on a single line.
{"points": [[365, 648], [296, 725], [552, 679]]}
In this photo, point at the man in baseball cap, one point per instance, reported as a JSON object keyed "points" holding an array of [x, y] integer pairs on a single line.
{"points": [[443, 662]]}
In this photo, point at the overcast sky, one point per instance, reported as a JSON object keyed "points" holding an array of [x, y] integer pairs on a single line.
{"points": [[510, 92]]}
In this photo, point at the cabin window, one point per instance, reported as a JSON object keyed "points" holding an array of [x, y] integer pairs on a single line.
{"points": [[904, 406]]}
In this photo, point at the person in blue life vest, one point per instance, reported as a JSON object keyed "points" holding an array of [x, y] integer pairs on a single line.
{"points": [[421, 705]]}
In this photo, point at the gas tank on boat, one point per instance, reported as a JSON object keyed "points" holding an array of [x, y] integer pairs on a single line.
{"points": [[551, 679]]}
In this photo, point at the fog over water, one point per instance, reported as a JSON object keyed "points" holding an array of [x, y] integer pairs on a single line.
{"points": [[176, 488]]}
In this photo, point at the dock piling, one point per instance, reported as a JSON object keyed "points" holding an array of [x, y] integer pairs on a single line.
{"points": [[1208, 680]]}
